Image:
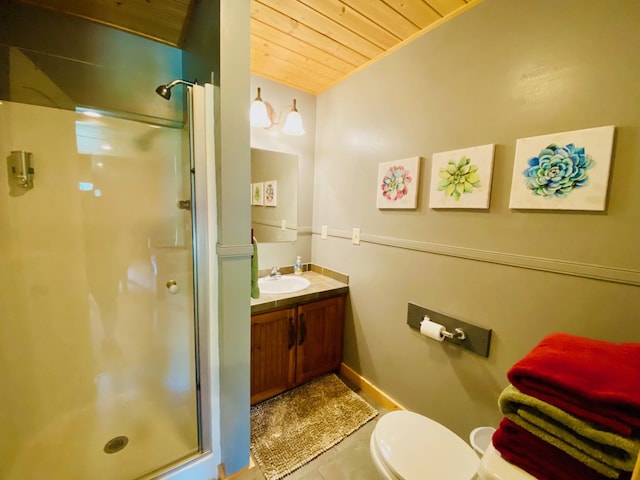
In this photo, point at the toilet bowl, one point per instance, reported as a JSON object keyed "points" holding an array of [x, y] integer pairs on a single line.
{"points": [[408, 446]]}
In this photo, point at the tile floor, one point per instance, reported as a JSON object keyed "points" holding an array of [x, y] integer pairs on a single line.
{"points": [[348, 460]]}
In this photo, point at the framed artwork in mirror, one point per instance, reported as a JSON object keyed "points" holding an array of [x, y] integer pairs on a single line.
{"points": [[257, 196], [271, 193]]}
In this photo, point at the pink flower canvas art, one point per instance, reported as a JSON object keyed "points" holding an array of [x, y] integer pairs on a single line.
{"points": [[398, 183]]}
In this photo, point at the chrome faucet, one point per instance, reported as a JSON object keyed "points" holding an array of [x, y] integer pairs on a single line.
{"points": [[275, 273]]}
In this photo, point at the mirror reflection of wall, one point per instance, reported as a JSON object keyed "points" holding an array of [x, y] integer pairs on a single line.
{"points": [[274, 216]]}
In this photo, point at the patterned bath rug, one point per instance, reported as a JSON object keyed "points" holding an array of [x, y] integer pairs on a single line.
{"points": [[290, 430]]}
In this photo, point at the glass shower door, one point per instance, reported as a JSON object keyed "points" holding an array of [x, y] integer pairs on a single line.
{"points": [[97, 343]]}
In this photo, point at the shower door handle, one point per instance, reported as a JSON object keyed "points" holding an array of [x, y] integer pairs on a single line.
{"points": [[172, 287], [184, 204]]}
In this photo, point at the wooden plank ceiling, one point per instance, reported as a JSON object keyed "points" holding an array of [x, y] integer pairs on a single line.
{"points": [[314, 44], [306, 44], [160, 20]]}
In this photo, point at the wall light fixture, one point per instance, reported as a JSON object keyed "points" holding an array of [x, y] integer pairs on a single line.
{"points": [[262, 115]]}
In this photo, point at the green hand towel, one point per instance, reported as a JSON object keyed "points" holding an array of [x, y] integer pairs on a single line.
{"points": [[604, 451], [255, 290]]}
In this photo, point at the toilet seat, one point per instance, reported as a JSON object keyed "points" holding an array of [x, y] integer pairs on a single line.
{"points": [[413, 447], [379, 462]]}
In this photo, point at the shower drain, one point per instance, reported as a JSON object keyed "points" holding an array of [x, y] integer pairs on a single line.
{"points": [[116, 444]]}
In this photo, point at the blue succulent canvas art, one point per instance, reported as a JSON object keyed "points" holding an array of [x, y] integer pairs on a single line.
{"points": [[564, 171], [558, 170]]}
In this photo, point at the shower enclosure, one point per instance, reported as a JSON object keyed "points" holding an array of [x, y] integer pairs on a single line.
{"points": [[98, 296]]}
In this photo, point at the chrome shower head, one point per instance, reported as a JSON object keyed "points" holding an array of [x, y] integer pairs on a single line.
{"points": [[165, 90]]}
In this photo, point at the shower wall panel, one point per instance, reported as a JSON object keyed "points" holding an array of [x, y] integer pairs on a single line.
{"points": [[93, 344]]}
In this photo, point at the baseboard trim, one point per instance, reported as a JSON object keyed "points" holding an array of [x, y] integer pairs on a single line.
{"points": [[369, 388], [222, 475]]}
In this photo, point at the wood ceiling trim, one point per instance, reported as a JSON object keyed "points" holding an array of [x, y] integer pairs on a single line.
{"points": [[445, 7], [186, 23], [300, 32], [286, 74], [327, 27]]}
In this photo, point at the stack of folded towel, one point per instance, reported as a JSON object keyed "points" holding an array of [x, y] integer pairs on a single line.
{"points": [[572, 410]]}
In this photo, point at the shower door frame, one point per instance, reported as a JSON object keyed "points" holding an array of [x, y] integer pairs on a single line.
{"points": [[204, 233], [202, 464]]}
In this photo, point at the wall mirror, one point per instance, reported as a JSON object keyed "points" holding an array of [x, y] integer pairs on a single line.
{"points": [[274, 196]]}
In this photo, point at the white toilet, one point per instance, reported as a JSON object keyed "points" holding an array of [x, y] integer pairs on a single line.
{"points": [[408, 446]]}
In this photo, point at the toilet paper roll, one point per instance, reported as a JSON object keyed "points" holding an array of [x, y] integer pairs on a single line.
{"points": [[432, 330]]}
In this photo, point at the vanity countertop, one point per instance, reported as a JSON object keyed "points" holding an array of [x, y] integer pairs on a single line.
{"points": [[321, 287]]}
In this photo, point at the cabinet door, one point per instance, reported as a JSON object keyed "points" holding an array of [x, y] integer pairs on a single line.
{"points": [[320, 328], [273, 348]]}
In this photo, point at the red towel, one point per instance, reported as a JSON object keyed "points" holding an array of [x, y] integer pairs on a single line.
{"points": [[594, 380], [539, 458]]}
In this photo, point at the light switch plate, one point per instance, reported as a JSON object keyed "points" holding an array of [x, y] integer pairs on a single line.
{"points": [[284, 224], [356, 236], [324, 232]]}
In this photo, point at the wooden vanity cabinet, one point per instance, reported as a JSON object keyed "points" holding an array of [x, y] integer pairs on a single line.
{"points": [[294, 345], [273, 350], [320, 329]]}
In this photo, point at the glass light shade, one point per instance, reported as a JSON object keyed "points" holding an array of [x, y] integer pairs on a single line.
{"points": [[259, 117], [293, 124]]}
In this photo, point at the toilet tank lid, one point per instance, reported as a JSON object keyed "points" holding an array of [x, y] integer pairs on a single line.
{"points": [[416, 447]]}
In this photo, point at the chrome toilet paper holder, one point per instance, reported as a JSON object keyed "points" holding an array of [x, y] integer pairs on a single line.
{"points": [[458, 333], [463, 334]]}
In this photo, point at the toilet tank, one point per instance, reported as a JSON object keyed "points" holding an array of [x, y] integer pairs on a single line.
{"points": [[480, 439], [494, 467]]}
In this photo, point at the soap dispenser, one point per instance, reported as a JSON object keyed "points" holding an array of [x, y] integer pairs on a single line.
{"points": [[297, 268]]}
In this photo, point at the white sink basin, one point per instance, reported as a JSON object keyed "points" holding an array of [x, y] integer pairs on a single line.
{"points": [[283, 284]]}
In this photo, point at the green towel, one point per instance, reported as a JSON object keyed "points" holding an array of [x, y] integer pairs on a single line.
{"points": [[604, 451], [255, 290]]}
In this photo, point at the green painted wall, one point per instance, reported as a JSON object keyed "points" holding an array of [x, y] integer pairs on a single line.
{"points": [[501, 71]]}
